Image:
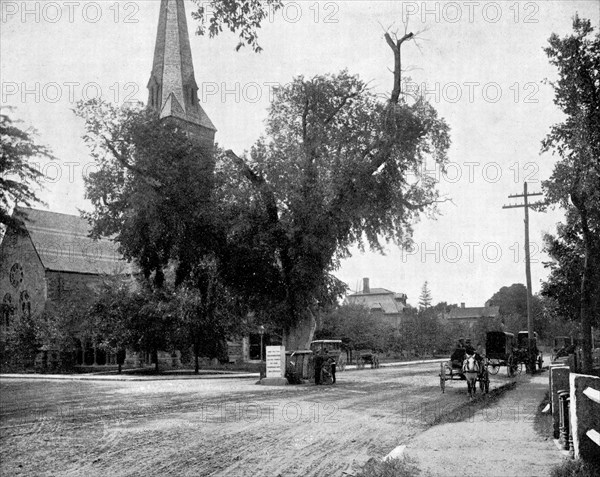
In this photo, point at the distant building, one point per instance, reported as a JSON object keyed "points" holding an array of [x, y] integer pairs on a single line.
{"points": [[381, 302], [469, 316]]}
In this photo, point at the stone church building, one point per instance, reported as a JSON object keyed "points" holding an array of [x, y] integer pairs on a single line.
{"points": [[56, 262], [55, 265]]}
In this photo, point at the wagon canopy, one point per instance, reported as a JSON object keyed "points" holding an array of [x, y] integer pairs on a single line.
{"points": [[499, 344], [523, 337]]}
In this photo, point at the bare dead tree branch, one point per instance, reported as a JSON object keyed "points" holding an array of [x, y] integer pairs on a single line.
{"points": [[396, 47]]}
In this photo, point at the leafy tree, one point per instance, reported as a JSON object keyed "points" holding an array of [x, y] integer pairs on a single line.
{"points": [[152, 327], [243, 16], [567, 252], [20, 344], [108, 317], [338, 166], [576, 176], [425, 299], [151, 190], [18, 174], [332, 171], [207, 314], [512, 302], [356, 326]]}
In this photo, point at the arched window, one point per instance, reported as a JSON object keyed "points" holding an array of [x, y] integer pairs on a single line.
{"points": [[7, 309], [25, 303]]}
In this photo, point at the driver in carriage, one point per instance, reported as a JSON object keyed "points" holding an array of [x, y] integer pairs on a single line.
{"points": [[458, 355]]}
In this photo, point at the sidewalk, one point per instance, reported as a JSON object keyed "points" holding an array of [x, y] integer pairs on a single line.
{"points": [[499, 440]]}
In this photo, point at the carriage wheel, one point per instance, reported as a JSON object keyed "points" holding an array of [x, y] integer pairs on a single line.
{"points": [[519, 368], [494, 366], [510, 366], [326, 377]]}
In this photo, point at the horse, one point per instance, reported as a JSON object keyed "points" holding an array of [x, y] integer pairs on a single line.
{"points": [[471, 370]]}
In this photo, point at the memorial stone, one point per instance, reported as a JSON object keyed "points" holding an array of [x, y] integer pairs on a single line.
{"points": [[275, 361]]}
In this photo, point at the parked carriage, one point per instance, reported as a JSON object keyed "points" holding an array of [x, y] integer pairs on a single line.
{"points": [[500, 351], [522, 352], [334, 348], [453, 370], [561, 345], [367, 357]]}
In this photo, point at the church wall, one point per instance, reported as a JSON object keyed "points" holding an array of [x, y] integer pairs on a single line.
{"points": [[18, 251], [72, 288]]}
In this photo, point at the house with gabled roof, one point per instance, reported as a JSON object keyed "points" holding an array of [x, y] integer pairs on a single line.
{"points": [[381, 302]]}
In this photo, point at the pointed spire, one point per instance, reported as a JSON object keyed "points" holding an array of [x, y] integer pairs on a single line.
{"points": [[172, 89]]}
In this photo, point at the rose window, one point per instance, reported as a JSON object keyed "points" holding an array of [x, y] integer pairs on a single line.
{"points": [[16, 275]]}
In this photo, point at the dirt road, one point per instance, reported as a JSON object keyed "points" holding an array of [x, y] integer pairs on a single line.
{"points": [[220, 427]]}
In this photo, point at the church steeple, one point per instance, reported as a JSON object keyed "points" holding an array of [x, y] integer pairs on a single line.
{"points": [[172, 89]]}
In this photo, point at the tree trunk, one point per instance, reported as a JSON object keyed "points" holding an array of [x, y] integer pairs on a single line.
{"points": [[586, 298], [301, 333], [196, 361], [155, 354]]}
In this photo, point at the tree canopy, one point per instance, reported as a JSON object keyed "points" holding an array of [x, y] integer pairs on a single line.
{"points": [[151, 190], [241, 17], [567, 253], [337, 166], [576, 140], [18, 174]]}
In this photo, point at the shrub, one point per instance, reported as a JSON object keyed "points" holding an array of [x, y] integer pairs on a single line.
{"points": [[576, 468]]}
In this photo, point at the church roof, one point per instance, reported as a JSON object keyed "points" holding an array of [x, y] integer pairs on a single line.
{"points": [[173, 69], [63, 244]]}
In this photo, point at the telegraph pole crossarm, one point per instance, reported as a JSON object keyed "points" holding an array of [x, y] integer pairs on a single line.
{"points": [[526, 205]]}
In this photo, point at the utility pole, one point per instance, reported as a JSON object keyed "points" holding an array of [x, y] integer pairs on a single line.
{"points": [[526, 205]]}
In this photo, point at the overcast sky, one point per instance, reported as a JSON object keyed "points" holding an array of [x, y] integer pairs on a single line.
{"points": [[481, 63]]}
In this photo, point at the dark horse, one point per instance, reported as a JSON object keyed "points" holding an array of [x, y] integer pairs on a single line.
{"points": [[471, 369]]}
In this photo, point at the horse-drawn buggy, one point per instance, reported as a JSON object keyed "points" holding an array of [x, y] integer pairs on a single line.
{"points": [[334, 349], [500, 351], [522, 353], [562, 346], [466, 367], [367, 357]]}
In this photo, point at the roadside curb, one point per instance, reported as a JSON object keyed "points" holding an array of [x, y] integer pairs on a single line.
{"points": [[166, 377], [352, 367], [83, 377]]}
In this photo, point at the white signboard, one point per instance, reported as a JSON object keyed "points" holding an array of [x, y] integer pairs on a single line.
{"points": [[275, 361]]}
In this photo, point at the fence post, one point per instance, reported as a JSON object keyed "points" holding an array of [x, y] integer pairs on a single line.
{"points": [[564, 418], [585, 416], [559, 379]]}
